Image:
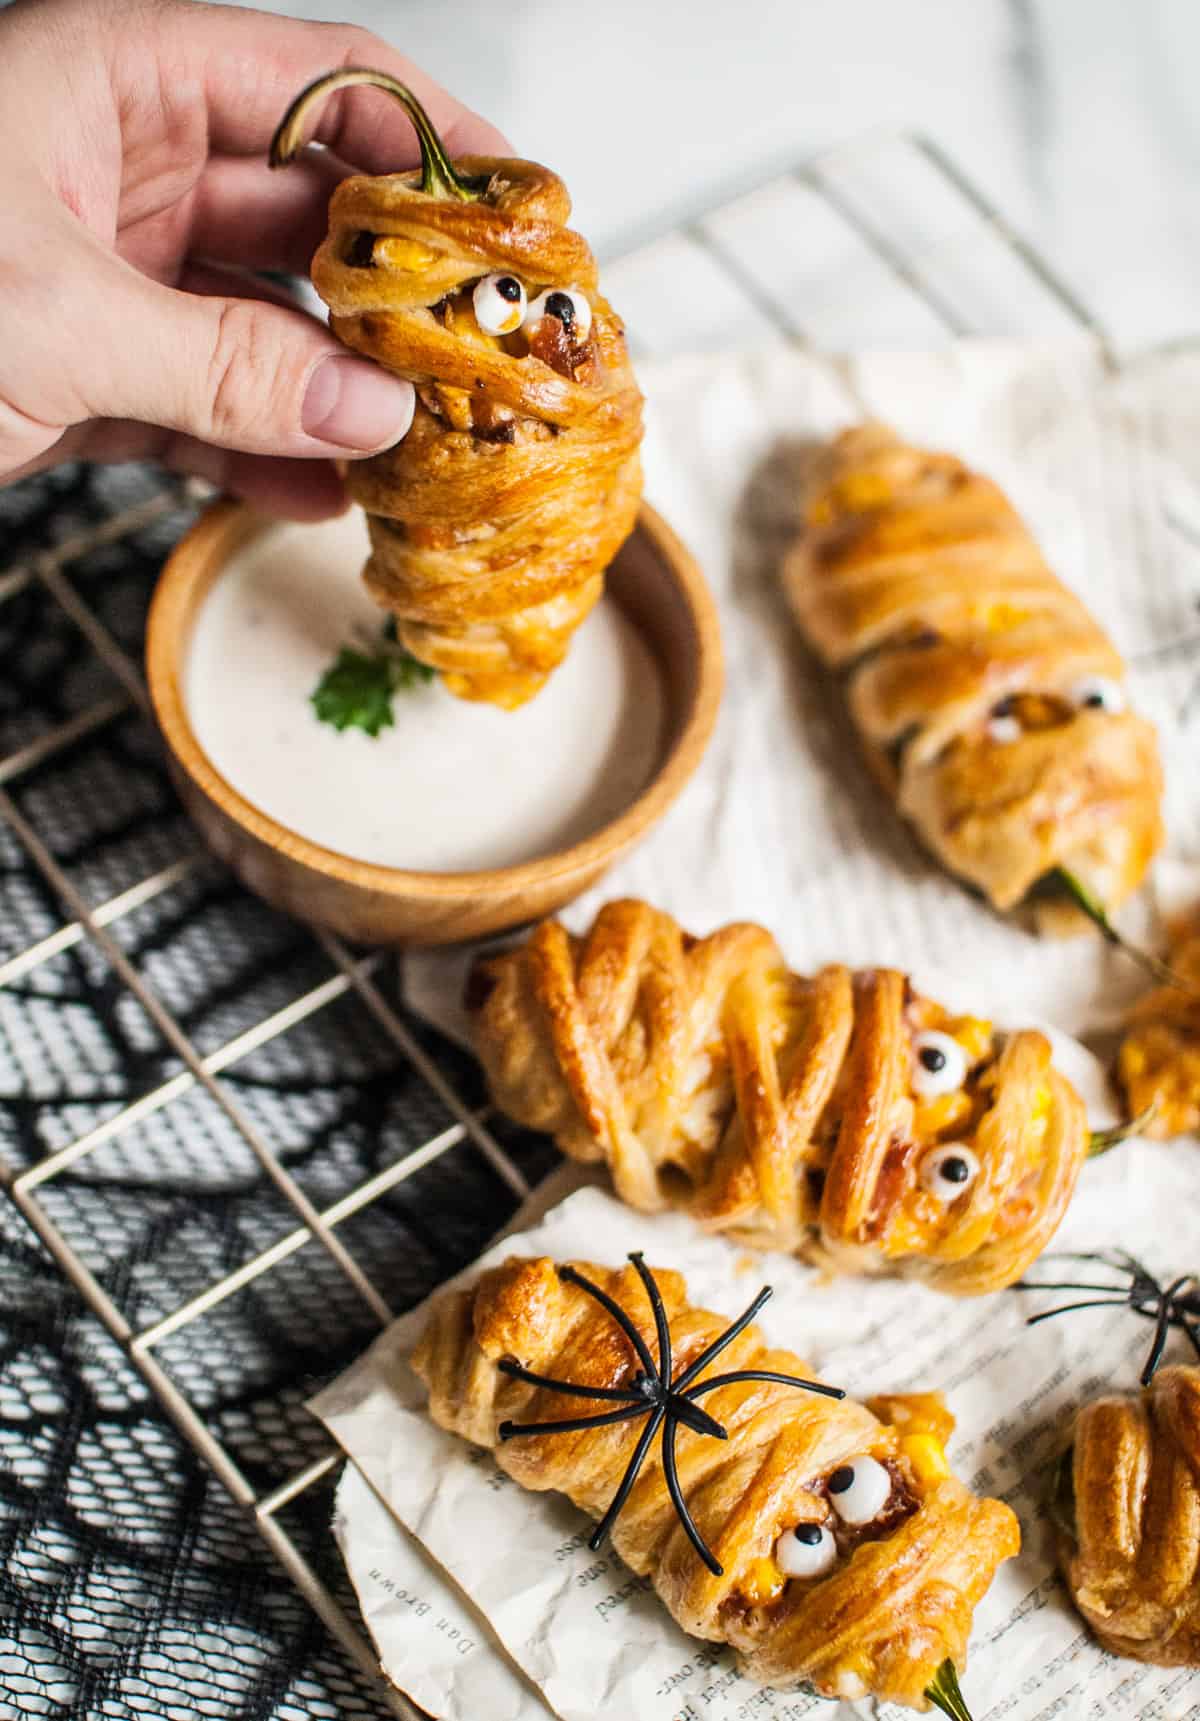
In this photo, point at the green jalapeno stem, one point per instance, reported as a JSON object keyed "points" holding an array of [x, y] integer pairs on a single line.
{"points": [[1101, 1140], [943, 1690], [439, 176], [1087, 904]]}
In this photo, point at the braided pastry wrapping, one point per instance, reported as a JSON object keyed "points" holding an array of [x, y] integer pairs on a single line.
{"points": [[989, 702], [1158, 1064], [841, 1116], [898, 1589], [493, 521], [1132, 1555]]}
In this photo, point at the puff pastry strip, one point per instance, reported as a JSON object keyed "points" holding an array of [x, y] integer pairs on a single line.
{"points": [[899, 1598], [1158, 1064], [987, 699], [793, 1112], [1129, 1544], [493, 521]]}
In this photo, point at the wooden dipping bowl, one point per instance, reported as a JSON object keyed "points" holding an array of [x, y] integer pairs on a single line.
{"points": [[661, 590]]}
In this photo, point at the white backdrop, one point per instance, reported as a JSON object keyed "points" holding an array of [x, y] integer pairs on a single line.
{"points": [[1078, 115]]}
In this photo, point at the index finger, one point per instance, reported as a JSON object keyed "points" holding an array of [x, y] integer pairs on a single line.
{"points": [[249, 66]]}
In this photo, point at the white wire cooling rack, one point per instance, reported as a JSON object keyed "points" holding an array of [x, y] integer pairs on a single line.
{"points": [[883, 241]]}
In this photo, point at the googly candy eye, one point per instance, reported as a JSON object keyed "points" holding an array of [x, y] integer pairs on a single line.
{"points": [[1098, 693], [939, 1064], [499, 302], [806, 1551], [568, 305], [1003, 724], [859, 1490], [949, 1171]]}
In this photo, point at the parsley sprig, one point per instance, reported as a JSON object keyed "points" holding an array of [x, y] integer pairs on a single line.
{"points": [[357, 689]]}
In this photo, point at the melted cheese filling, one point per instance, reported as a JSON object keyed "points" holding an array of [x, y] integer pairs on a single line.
{"points": [[396, 253], [946, 1114], [1000, 617]]}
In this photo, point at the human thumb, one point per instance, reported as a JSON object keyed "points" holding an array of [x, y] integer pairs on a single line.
{"points": [[243, 373]]}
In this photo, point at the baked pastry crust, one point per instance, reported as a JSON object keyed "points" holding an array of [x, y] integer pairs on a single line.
{"points": [[900, 1598], [492, 523], [1132, 1560], [917, 579], [1158, 1063], [780, 1108]]}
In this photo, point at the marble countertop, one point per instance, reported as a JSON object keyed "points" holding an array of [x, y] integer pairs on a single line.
{"points": [[1076, 116]]}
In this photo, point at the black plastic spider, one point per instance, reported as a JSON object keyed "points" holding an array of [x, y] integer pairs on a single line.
{"points": [[1176, 1305], [652, 1392]]}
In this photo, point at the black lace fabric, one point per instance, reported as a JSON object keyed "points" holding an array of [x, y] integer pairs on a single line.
{"points": [[131, 1584]]}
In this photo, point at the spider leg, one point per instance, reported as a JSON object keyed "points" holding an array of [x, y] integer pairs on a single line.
{"points": [[717, 1380], [621, 1394], [1119, 1260], [1165, 1320], [671, 1476], [618, 1314], [1066, 1285], [1068, 1308], [726, 1338], [630, 1477], [1126, 1263], [1158, 1343], [680, 1406], [660, 1318], [1116, 1260], [572, 1424]]}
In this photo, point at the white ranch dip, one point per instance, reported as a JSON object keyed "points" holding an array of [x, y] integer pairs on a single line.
{"points": [[453, 786]]}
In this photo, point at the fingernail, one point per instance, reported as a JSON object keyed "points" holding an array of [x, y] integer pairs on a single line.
{"points": [[355, 404]]}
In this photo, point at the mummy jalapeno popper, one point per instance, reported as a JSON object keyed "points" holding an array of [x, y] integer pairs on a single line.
{"points": [[840, 1115], [825, 1540], [1126, 1497], [990, 704], [1158, 1064], [1129, 1526], [492, 523]]}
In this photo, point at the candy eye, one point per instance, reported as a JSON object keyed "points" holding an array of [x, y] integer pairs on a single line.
{"points": [[949, 1171], [939, 1064], [1098, 693], [806, 1551], [568, 305], [1003, 725], [499, 302], [859, 1490]]}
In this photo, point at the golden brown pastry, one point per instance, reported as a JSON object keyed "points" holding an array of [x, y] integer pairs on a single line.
{"points": [[1158, 1064], [492, 523], [1129, 1539], [989, 703], [842, 1115], [850, 1556]]}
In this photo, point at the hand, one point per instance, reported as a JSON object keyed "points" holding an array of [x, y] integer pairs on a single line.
{"points": [[137, 195]]}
